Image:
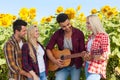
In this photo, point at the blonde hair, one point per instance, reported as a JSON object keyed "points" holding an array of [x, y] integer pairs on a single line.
{"points": [[32, 42], [96, 24]]}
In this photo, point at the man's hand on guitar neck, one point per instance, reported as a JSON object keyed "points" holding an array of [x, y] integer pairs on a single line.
{"points": [[59, 62], [88, 57]]}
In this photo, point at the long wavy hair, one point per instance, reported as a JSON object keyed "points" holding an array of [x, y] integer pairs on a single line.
{"points": [[97, 27], [32, 42], [96, 24]]}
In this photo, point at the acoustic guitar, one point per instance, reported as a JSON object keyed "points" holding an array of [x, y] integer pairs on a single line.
{"points": [[63, 55]]}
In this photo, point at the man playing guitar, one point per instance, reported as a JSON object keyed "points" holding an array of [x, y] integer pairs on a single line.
{"points": [[67, 37]]}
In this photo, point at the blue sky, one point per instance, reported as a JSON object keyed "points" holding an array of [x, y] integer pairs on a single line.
{"points": [[48, 7]]}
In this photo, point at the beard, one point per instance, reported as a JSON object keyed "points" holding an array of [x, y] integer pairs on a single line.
{"points": [[22, 36], [68, 29]]}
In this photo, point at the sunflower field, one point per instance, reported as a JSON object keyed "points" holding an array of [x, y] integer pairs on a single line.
{"points": [[109, 16]]}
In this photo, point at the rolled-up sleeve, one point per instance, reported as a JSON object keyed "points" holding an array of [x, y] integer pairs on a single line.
{"points": [[105, 45]]}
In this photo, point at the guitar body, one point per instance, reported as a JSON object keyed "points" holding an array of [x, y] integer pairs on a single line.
{"points": [[57, 54]]}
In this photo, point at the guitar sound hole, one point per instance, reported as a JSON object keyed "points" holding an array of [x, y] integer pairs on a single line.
{"points": [[62, 57]]}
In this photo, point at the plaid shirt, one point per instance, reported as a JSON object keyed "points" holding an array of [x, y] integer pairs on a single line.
{"points": [[99, 66], [27, 62], [13, 57]]}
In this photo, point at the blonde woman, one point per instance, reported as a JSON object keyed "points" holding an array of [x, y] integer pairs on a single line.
{"points": [[33, 55], [98, 47]]}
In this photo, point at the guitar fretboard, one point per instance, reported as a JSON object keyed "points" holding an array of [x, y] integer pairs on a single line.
{"points": [[72, 56], [94, 52]]}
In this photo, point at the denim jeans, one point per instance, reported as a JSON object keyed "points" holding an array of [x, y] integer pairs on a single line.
{"points": [[91, 76], [43, 76], [65, 72], [29, 79]]}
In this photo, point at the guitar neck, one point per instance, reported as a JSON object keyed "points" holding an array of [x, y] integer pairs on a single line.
{"points": [[73, 56]]}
